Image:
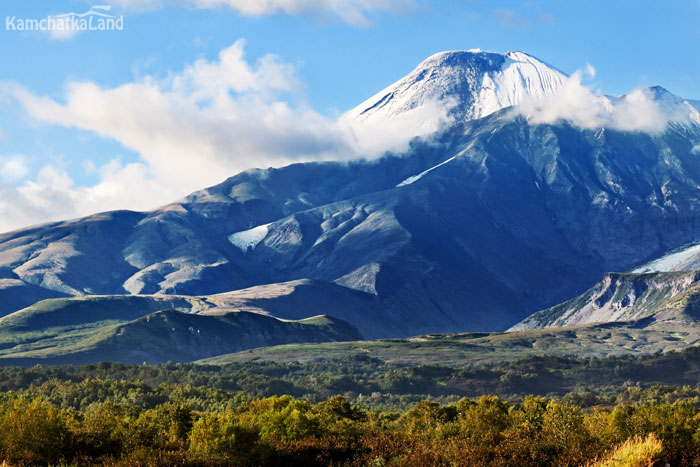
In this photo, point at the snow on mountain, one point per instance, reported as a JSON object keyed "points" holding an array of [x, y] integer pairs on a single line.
{"points": [[415, 178], [520, 77], [694, 103], [249, 238], [468, 85], [453, 85], [683, 259], [671, 107]]}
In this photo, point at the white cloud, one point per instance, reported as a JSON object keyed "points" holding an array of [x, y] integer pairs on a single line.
{"points": [[13, 167], [191, 130], [509, 18], [589, 70], [89, 167], [62, 30], [374, 136], [139, 5], [204, 79], [53, 195], [199, 126], [353, 12], [523, 18], [640, 110], [216, 118]]}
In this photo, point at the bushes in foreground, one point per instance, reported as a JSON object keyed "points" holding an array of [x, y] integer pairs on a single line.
{"points": [[288, 431], [635, 452]]}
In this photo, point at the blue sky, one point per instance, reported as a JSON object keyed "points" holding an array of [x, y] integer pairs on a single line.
{"points": [[314, 61]]}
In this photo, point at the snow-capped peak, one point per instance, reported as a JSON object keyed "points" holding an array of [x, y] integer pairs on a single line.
{"points": [[457, 86], [471, 84], [676, 109]]}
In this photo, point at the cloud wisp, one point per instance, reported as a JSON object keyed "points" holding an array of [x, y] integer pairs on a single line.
{"points": [[357, 13], [649, 110], [13, 167], [529, 17], [53, 195]]}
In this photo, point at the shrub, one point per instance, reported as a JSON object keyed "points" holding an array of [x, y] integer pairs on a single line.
{"points": [[33, 431], [635, 452]]}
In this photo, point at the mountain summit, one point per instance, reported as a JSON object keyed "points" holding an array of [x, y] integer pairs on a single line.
{"points": [[470, 84]]}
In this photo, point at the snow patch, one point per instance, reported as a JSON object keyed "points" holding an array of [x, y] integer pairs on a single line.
{"points": [[415, 178], [521, 77], [671, 261], [249, 238]]}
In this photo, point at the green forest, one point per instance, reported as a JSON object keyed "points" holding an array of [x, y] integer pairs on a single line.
{"points": [[289, 431], [540, 411]]}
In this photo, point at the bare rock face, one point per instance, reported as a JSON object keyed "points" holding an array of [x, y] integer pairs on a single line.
{"points": [[661, 298]]}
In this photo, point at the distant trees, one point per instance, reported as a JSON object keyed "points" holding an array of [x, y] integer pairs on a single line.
{"points": [[369, 382]]}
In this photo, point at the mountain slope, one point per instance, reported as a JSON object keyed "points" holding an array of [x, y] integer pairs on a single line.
{"points": [[577, 203], [694, 103], [300, 299], [16, 294], [474, 228], [660, 299], [148, 329], [686, 258], [183, 247], [467, 349]]}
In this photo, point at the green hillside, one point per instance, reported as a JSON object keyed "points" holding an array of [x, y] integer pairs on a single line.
{"points": [[147, 329], [598, 340]]}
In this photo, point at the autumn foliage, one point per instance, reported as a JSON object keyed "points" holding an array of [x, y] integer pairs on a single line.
{"points": [[289, 431]]}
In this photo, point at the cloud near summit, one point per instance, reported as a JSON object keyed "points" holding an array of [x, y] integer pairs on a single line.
{"points": [[581, 106]]}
